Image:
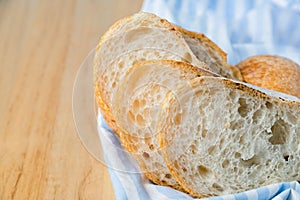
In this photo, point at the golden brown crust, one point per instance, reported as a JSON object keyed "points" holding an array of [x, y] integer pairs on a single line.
{"points": [[231, 84], [158, 182], [236, 72], [183, 185], [272, 72], [105, 110]]}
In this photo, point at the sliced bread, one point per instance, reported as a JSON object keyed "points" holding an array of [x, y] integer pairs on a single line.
{"points": [[220, 137], [272, 72], [142, 36], [136, 105], [208, 52], [202, 47]]}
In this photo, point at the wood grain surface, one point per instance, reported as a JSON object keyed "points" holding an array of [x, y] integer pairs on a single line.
{"points": [[42, 44]]}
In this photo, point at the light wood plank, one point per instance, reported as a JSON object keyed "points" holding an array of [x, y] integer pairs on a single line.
{"points": [[42, 46]]}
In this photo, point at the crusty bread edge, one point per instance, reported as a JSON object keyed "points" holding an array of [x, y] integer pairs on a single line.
{"points": [[202, 38], [253, 67], [105, 110], [230, 84], [111, 31], [174, 64], [107, 113]]}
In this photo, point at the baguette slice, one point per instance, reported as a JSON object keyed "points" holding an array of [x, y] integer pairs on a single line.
{"points": [[208, 52], [272, 72], [136, 105], [202, 47], [140, 19], [142, 36], [220, 137]]}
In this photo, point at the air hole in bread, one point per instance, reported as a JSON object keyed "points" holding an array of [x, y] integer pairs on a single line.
{"points": [[232, 94], [279, 165], [221, 142], [177, 119], [244, 108], [154, 90], [199, 93], [184, 169], [269, 105], [168, 176], [203, 133], [237, 155], [146, 155], [113, 73], [286, 157], [217, 187], [279, 129], [187, 57], [121, 64], [135, 105], [139, 132], [198, 128], [136, 34], [156, 54], [151, 147], [233, 187], [131, 116], [211, 150], [294, 176], [140, 120], [203, 171], [193, 149], [268, 162], [262, 182], [176, 165], [225, 163], [251, 161], [243, 138], [236, 125], [134, 62], [235, 169], [158, 96], [104, 78], [257, 116]]}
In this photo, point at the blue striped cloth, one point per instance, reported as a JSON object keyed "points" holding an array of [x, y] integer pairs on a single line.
{"points": [[241, 28]]}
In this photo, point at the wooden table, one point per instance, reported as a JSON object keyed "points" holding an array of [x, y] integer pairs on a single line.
{"points": [[42, 44]]}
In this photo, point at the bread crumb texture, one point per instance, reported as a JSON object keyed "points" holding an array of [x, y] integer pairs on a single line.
{"points": [[230, 140]]}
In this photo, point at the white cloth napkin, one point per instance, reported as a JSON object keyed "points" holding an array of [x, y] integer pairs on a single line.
{"points": [[241, 28]]}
